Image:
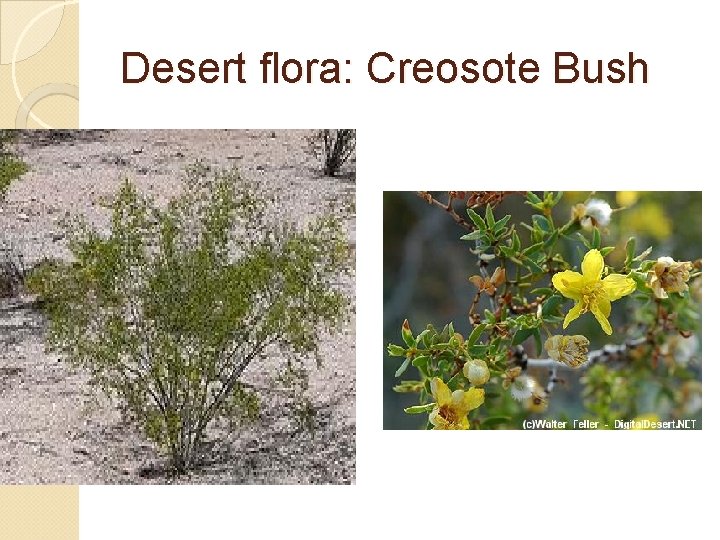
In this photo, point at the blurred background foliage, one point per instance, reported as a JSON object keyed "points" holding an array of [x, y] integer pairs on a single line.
{"points": [[426, 269]]}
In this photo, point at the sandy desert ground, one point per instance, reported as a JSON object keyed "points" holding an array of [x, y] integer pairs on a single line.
{"points": [[54, 428]]}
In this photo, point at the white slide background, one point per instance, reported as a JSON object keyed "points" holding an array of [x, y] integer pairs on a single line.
{"points": [[658, 136]]}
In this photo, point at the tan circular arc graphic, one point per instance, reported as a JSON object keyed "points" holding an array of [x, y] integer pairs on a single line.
{"points": [[31, 48], [16, 15], [37, 95]]}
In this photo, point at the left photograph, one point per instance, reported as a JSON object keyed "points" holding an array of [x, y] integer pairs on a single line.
{"points": [[177, 306]]}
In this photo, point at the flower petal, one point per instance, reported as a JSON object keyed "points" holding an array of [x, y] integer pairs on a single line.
{"points": [[472, 399], [616, 286], [441, 423], [573, 314], [592, 266], [569, 283], [440, 391], [601, 310], [436, 420]]}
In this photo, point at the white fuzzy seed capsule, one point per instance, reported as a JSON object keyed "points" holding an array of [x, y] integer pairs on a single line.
{"points": [[522, 387], [477, 372]]}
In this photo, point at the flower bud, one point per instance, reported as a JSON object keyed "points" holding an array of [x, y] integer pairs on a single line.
{"points": [[477, 372]]}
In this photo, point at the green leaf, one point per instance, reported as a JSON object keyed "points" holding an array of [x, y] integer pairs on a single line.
{"points": [[644, 254], [550, 240], [551, 305], [531, 197], [570, 228], [640, 279], [422, 338], [475, 235], [604, 251], [407, 334], [521, 335], [542, 291], [542, 223], [538, 340], [515, 242], [595, 238], [456, 381], [507, 251], [421, 362], [501, 224], [403, 367], [428, 335], [629, 250], [408, 387], [450, 327], [532, 249], [395, 350], [475, 334], [489, 218], [532, 265], [420, 409], [476, 219]]}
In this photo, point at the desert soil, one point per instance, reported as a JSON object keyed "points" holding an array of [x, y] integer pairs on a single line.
{"points": [[54, 427]]}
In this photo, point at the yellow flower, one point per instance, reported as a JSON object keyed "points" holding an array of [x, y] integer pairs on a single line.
{"points": [[570, 350], [668, 276], [451, 409], [477, 372], [590, 292]]}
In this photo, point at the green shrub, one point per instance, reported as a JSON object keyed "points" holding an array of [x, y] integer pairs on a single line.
{"points": [[11, 168], [169, 310]]}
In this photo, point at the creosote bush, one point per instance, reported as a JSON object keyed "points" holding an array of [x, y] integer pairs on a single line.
{"points": [[334, 147], [529, 290], [11, 167], [12, 267], [169, 309]]}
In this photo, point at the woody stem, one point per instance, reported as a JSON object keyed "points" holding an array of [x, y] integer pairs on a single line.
{"points": [[608, 353]]}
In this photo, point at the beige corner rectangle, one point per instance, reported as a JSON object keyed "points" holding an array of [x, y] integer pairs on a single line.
{"points": [[39, 64], [39, 512]]}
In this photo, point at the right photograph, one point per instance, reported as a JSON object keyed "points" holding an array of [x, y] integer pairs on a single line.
{"points": [[542, 310]]}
